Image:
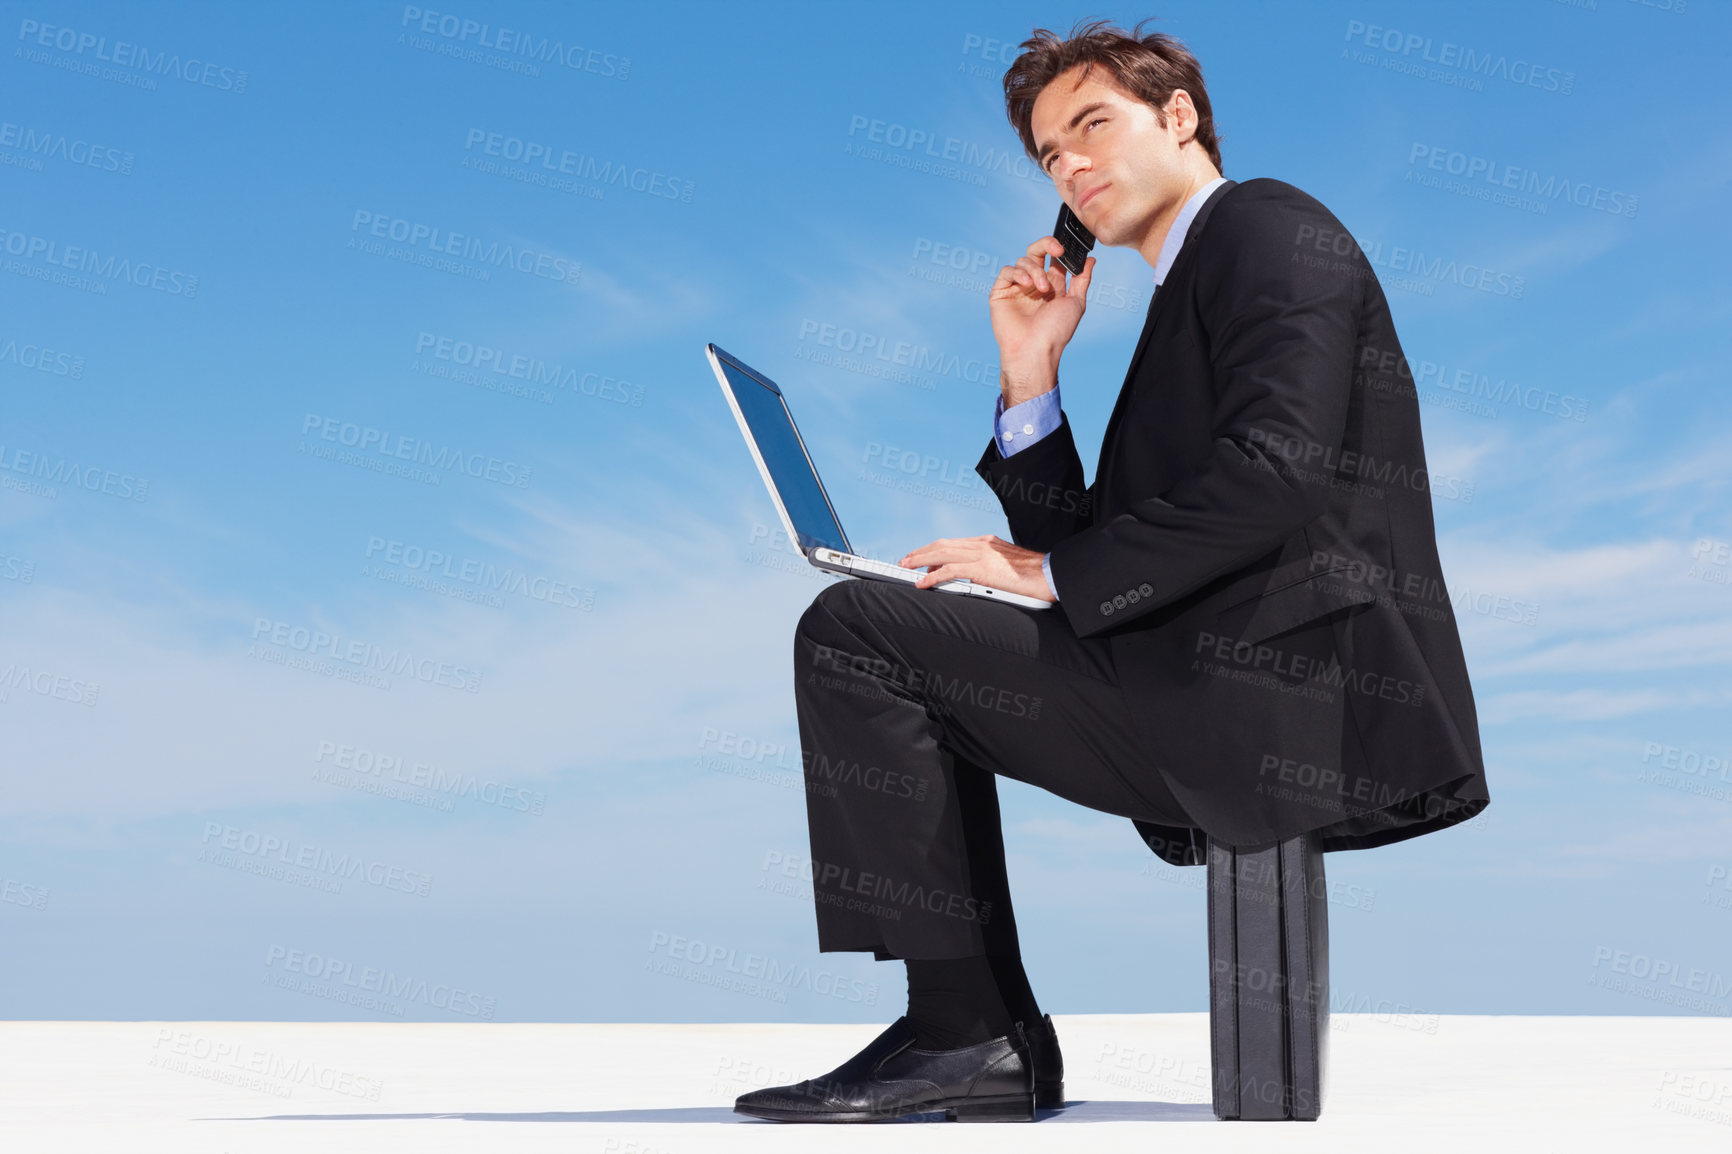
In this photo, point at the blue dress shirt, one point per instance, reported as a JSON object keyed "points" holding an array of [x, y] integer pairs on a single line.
{"points": [[1021, 425]]}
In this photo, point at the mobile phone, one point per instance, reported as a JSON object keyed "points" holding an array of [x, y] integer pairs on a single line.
{"points": [[1076, 238]]}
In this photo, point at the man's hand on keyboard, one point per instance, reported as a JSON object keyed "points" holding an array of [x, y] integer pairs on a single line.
{"points": [[985, 560]]}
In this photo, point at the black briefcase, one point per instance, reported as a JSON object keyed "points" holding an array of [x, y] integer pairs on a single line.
{"points": [[1268, 980]]}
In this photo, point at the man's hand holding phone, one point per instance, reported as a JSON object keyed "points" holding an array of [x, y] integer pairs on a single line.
{"points": [[1034, 315]]}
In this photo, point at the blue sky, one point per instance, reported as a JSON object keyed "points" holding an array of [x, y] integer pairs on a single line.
{"points": [[221, 494]]}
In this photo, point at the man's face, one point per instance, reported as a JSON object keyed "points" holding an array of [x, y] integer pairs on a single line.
{"points": [[1116, 166]]}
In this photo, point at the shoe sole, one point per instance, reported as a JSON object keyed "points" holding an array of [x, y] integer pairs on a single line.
{"points": [[1049, 1096], [997, 1108]]}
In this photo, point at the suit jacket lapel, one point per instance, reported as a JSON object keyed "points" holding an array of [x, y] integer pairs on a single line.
{"points": [[1188, 250]]}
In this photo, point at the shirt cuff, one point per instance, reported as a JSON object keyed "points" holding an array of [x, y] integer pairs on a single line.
{"points": [[1021, 425], [1046, 570]]}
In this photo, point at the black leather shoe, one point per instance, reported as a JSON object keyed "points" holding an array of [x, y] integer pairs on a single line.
{"points": [[989, 1082], [1048, 1064]]}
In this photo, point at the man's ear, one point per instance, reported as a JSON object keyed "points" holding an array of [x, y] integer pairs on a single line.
{"points": [[1184, 113]]}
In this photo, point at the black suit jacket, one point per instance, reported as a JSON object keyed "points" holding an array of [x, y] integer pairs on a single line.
{"points": [[1258, 544]]}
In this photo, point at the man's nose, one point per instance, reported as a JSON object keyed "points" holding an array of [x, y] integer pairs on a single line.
{"points": [[1066, 168]]}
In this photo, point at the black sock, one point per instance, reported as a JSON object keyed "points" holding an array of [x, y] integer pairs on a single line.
{"points": [[954, 1002], [1013, 989]]}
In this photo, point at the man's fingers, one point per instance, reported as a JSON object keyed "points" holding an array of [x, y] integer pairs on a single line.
{"points": [[1079, 282], [1031, 276], [954, 549], [1012, 277], [1032, 279], [938, 575], [959, 559], [941, 551], [1030, 271]]}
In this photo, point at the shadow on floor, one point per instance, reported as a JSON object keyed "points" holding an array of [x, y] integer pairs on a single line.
{"points": [[1081, 1110]]}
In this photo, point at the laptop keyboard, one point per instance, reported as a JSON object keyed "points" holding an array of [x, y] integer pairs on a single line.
{"points": [[899, 572], [883, 567]]}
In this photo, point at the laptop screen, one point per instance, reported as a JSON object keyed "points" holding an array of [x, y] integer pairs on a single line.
{"points": [[791, 471]]}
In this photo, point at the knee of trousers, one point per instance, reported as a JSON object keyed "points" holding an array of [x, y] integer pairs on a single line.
{"points": [[824, 632]]}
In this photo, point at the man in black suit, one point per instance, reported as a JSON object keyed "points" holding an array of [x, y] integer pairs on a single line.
{"points": [[1252, 638]]}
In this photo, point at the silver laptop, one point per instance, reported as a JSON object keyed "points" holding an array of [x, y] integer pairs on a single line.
{"points": [[797, 492]]}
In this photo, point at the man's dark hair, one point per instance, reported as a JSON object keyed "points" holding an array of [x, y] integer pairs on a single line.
{"points": [[1149, 67]]}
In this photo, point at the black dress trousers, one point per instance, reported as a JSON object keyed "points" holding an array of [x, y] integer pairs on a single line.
{"points": [[909, 701]]}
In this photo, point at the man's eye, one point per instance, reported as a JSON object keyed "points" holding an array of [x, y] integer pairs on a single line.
{"points": [[1086, 127]]}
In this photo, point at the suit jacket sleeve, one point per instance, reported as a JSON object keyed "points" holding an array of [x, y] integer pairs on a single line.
{"points": [[1279, 322], [1040, 488]]}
